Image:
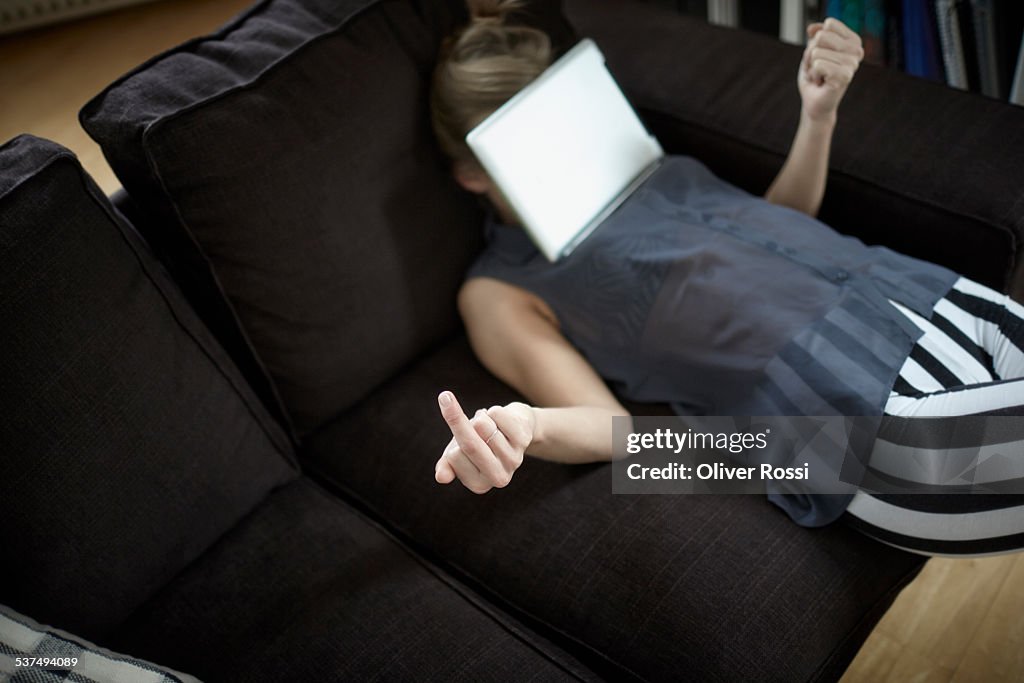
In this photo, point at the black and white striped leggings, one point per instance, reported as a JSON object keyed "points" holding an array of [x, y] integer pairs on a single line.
{"points": [[969, 361]]}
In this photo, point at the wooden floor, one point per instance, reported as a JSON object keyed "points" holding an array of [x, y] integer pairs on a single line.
{"points": [[47, 74], [961, 621]]}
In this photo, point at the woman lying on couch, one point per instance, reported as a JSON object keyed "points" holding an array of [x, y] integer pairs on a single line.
{"points": [[776, 315]]}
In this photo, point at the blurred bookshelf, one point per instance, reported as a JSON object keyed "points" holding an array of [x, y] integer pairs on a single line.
{"points": [[971, 45]]}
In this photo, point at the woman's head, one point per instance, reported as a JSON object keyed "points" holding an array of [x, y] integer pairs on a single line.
{"points": [[480, 68]]}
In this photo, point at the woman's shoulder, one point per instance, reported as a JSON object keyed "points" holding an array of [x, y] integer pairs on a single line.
{"points": [[481, 290], [486, 298]]}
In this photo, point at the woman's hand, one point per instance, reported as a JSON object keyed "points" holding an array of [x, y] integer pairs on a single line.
{"points": [[486, 450], [831, 59]]}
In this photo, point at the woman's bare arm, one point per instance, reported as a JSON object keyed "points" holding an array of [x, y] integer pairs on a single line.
{"points": [[800, 184], [518, 340], [829, 63]]}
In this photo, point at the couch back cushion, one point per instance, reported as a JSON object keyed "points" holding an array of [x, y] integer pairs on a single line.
{"points": [[294, 148], [130, 440]]}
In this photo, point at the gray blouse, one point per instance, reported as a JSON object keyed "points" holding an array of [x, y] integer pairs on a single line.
{"points": [[698, 294]]}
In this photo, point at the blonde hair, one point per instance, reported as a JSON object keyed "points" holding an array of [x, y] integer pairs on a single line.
{"points": [[480, 68]]}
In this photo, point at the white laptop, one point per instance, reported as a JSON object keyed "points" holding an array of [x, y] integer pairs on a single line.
{"points": [[566, 150]]}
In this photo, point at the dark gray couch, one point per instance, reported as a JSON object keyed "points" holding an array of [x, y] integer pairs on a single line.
{"points": [[219, 424]]}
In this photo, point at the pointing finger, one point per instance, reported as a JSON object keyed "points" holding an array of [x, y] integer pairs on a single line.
{"points": [[469, 441]]}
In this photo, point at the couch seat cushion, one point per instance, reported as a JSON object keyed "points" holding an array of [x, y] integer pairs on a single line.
{"points": [[306, 589], [130, 440], [721, 587]]}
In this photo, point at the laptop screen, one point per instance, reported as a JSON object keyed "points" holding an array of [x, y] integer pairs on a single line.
{"points": [[565, 150]]}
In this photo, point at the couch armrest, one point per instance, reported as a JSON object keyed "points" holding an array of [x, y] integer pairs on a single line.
{"points": [[922, 168]]}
